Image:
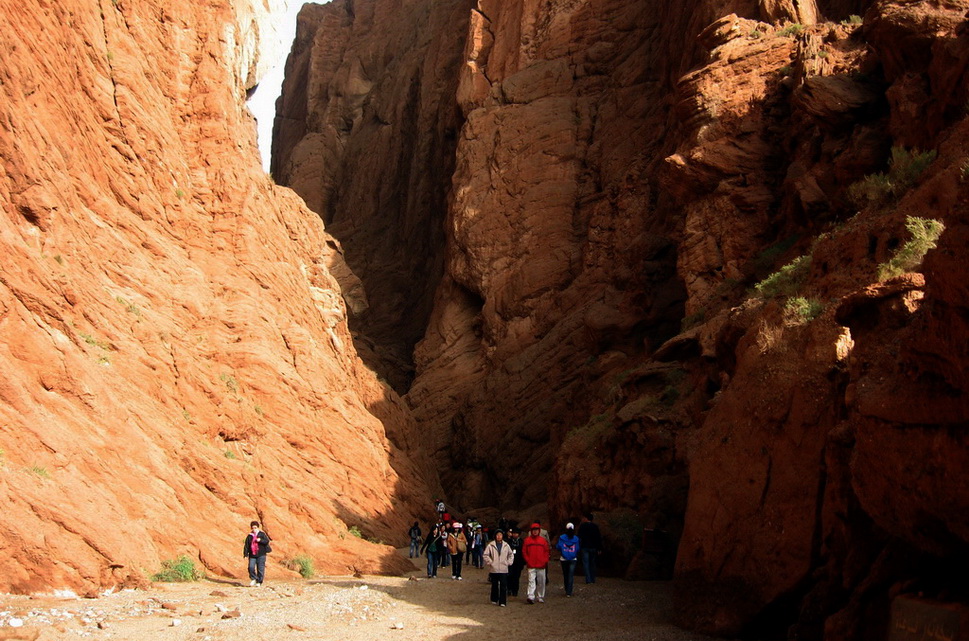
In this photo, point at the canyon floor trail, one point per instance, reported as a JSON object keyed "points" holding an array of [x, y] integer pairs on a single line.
{"points": [[410, 608]]}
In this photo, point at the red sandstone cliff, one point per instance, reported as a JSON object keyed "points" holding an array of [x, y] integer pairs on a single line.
{"points": [[175, 353], [625, 174]]}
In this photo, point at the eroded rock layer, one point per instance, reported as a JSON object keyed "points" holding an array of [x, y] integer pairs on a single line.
{"points": [[664, 292], [175, 353]]}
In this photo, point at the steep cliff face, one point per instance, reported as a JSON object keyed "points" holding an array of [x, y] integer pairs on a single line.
{"points": [[613, 328], [175, 353], [365, 132]]}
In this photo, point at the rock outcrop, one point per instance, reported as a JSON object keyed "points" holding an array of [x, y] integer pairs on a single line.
{"points": [[175, 354], [624, 175]]}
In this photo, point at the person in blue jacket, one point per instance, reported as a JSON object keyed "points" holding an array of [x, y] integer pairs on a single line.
{"points": [[568, 547]]}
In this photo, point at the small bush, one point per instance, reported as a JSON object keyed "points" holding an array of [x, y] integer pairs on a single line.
{"points": [[881, 189], [925, 232], [230, 454], [787, 280], [303, 564], [802, 310], [755, 34], [39, 471], [180, 570], [230, 382], [355, 531], [791, 30], [852, 20], [786, 70]]}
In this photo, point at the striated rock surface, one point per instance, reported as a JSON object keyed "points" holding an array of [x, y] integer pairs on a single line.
{"points": [[613, 329], [175, 354], [365, 133]]}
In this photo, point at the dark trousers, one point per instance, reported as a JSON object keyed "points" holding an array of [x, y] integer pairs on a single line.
{"points": [[589, 564], [257, 568], [477, 557], [445, 558], [514, 580], [499, 588], [431, 563], [568, 572], [456, 564]]}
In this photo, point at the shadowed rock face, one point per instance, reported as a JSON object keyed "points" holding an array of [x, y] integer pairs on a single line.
{"points": [[175, 353], [365, 131], [623, 176]]}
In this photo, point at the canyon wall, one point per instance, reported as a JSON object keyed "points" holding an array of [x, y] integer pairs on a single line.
{"points": [[659, 293], [175, 354]]}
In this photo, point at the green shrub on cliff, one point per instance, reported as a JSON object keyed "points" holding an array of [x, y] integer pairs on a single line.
{"points": [[925, 232], [791, 29], [802, 310], [881, 189], [787, 280]]}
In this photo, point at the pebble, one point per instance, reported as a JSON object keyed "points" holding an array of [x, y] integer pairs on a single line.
{"points": [[15, 623]]}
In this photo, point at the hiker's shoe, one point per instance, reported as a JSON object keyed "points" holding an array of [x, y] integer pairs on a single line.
{"points": [[252, 583], [541, 600], [529, 602]]}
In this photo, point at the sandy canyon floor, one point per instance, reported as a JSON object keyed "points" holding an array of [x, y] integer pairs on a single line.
{"points": [[411, 608]]}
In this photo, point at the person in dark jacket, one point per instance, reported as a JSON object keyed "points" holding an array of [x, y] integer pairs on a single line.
{"points": [[415, 540], [434, 545], [590, 542], [515, 571], [255, 549]]}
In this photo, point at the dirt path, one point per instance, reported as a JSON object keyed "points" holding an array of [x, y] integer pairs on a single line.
{"points": [[411, 608]]}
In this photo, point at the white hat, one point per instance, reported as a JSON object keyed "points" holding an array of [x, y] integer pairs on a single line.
{"points": [[456, 524], [569, 526]]}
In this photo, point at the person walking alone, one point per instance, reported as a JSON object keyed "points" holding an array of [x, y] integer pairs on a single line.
{"points": [[255, 549], [433, 544], [536, 551], [590, 541], [498, 556], [568, 546]]}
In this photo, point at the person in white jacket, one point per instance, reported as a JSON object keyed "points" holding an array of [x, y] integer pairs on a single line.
{"points": [[499, 556]]}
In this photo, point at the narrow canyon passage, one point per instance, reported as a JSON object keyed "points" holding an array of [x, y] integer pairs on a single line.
{"points": [[409, 608]]}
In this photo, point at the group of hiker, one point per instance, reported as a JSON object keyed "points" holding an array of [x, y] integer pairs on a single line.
{"points": [[507, 553]]}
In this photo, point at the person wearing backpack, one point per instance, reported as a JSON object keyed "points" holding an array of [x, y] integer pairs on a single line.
{"points": [[457, 545], [415, 540], [568, 547], [255, 549]]}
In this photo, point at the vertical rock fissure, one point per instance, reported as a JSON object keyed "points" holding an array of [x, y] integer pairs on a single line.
{"points": [[109, 55]]}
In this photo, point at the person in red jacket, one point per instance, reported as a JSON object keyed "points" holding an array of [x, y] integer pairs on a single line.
{"points": [[535, 551]]}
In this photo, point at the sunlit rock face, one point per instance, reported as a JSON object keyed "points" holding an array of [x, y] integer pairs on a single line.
{"points": [[175, 354]]}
